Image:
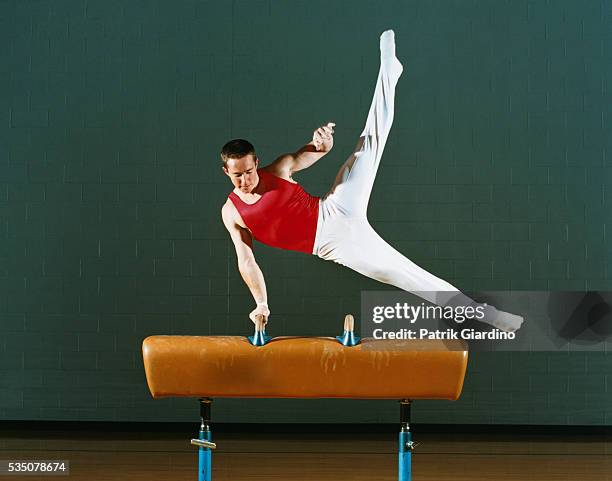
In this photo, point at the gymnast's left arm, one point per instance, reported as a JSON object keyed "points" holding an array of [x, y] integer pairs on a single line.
{"points": [[322, 142]]}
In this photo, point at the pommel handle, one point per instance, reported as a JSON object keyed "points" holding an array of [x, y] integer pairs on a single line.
{"points": [[349, 323], [260, 323]]}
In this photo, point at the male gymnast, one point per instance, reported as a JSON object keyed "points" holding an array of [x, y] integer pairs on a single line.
{"points": [[268, 205]]}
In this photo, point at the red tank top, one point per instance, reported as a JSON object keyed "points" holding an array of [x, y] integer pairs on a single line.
{"points": [[285, 216]]}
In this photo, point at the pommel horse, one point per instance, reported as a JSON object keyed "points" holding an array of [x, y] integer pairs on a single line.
{"points": [[206, 367]]}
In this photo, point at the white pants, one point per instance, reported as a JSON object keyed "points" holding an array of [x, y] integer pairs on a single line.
{"points": [[344, 234]]}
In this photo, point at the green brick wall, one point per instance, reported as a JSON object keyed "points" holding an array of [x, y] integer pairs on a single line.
{"points": [[497, 175]]}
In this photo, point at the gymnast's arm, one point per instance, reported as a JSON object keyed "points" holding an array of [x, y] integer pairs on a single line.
{"points": [[322, 143], [249, 270]]}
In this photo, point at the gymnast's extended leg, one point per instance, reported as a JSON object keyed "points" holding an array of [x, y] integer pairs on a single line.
{"points": [[347, 238], [351, 189]]}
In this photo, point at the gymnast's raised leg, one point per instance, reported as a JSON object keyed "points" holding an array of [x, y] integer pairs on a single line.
{"points": [[346, 237]]}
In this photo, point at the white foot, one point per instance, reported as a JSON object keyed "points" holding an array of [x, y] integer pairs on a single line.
{"points": [[506, 321], [387, 44], [387, 53]]}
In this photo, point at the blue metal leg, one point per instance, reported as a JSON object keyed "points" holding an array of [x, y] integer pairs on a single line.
{"points": [[204, 453], [405, 456], [205, 458], [405, 443]]}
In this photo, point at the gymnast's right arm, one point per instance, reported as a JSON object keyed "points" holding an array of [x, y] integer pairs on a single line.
{"points": [[249, 270]]}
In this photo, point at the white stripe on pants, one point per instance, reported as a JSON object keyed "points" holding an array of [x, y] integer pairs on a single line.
{"points": [[344, 234]]}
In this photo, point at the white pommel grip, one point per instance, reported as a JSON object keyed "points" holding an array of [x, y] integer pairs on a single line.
{"points": [[349, 323]]}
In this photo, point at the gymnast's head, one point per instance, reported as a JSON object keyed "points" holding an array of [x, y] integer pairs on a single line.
{"points": [[240, 164]]}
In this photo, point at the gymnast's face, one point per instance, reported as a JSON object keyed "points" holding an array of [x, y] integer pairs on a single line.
{"points": [[243, 172]]}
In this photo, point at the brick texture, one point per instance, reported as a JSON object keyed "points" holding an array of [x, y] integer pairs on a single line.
{"points": [[497, 175]]}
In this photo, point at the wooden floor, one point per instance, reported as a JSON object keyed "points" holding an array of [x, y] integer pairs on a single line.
{"points": [[334, 457]]}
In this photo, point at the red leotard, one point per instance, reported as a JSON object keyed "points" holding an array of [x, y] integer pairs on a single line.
{"points": [[285, 216]]}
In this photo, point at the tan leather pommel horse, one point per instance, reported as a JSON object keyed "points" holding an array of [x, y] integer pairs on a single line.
{"points": [[206, 367]]}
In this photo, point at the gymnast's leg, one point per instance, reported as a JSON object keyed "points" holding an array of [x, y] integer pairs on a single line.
{"points": [[366, 252], [351, 189], [345, 235]]}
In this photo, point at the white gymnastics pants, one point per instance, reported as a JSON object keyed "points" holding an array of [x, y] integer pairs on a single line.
{"points": [[344, 234]]}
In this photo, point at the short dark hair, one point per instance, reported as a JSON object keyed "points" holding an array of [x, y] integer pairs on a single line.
{"points": [[236, 149]]}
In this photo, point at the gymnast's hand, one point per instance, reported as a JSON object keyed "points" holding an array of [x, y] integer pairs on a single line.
{"points": [[261, 311], [323, 137]]}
